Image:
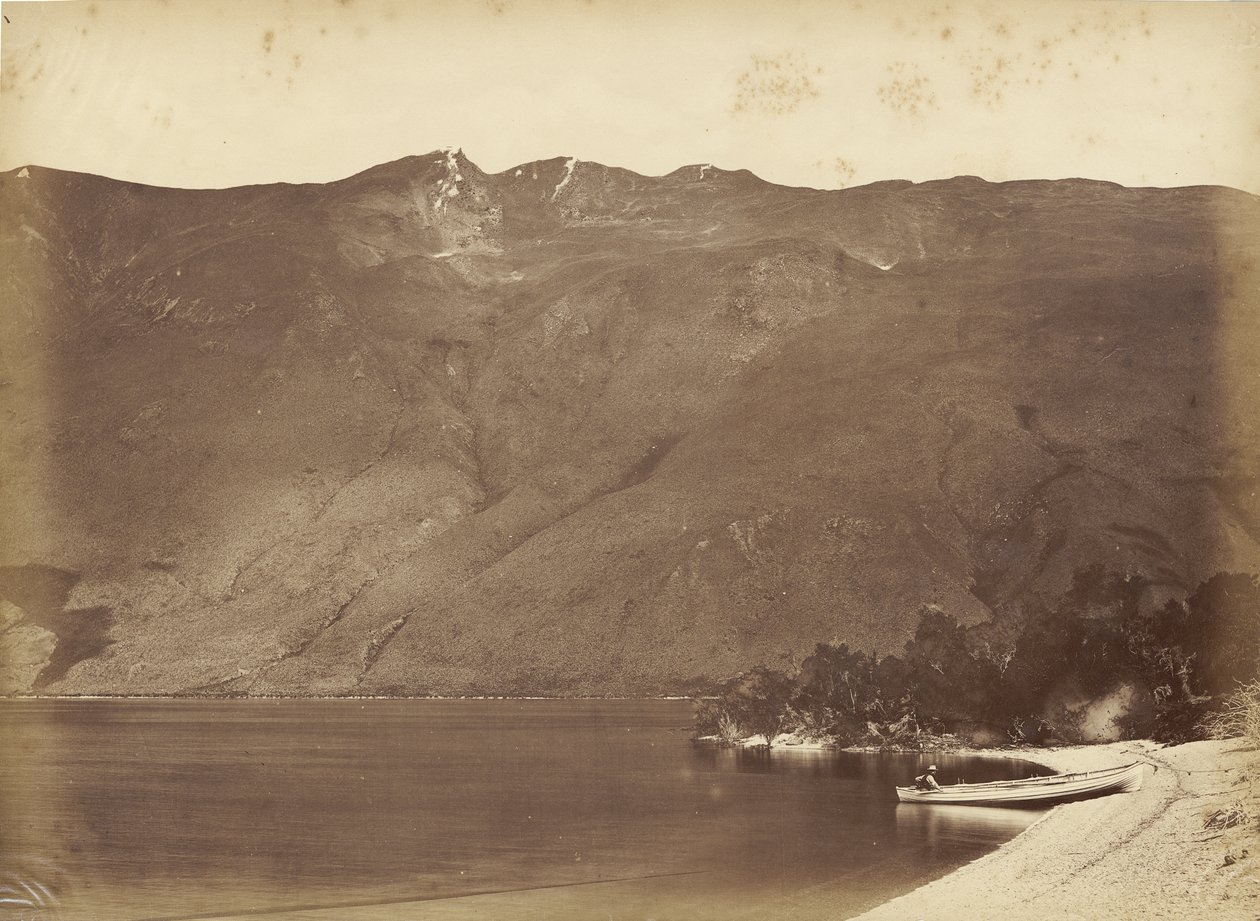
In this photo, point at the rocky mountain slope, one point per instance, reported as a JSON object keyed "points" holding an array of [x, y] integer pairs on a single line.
{"points": [[566, 429]]}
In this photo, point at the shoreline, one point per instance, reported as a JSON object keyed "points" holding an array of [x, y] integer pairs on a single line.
{"points": [[790, 743], [1143, 855]]}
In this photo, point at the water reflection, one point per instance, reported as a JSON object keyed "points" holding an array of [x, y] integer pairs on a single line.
{"points": [[946, 826], [157, 809]]}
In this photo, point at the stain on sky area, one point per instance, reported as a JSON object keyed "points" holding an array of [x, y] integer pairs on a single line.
{"points": [[996, 56], [907, 90], [776, 85], [21, 66], [840, 169], [8, 76], [991, 75]]}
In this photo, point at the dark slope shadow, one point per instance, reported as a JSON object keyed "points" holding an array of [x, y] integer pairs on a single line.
{"points": [[643, 469], [42, 593]]}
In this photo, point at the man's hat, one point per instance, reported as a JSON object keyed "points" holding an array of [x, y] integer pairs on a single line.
{"points": [[932, 767]]}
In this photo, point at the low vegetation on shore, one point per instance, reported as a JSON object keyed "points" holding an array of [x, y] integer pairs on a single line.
{"points": [[1097, 665]]}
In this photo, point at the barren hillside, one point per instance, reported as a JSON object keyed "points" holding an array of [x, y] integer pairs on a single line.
{"points": [[566, 429]]}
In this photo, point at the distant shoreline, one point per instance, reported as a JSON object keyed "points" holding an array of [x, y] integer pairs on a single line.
{"points": [[788, 742]]}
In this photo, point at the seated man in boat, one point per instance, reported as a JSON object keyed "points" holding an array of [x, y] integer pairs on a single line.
{"points": [[927, 781]]}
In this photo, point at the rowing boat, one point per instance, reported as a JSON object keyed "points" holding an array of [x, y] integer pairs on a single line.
{"points": [[1050, 789]]}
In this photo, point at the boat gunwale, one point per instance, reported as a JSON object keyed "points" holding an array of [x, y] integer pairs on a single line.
{"points": [[1046, 781]]}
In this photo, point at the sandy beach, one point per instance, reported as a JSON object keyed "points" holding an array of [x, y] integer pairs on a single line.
{"points": [[1144, 855]]}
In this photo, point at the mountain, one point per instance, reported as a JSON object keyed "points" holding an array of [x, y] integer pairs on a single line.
{"points": [[567, 429]]}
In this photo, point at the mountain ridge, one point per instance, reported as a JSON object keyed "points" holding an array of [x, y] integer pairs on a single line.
{"points": [[680, 171]]}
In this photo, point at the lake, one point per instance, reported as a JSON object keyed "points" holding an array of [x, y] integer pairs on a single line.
{"points": [[436, 809]]}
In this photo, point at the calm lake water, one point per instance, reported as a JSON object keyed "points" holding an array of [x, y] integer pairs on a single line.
{"points": [[140, 809]]}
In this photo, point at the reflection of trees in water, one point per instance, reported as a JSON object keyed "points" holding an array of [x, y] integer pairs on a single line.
{"points": [[883, 770]]}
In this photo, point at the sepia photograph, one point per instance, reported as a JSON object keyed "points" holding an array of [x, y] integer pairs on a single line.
{"points": [[629, 460]]}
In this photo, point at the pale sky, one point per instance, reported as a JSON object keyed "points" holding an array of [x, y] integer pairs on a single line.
{"points": [[199, 93]]}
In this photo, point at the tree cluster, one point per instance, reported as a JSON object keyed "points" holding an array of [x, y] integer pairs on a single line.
{"points": [[1028, 674]]}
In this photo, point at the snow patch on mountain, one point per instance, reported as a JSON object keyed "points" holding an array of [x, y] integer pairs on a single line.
{"points": [[448, 187], [33, 234], [569, 167], [171, 304], [882, 261]]}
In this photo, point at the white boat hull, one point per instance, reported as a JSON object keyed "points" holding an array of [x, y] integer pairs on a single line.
{"points": [[1055, 788]]}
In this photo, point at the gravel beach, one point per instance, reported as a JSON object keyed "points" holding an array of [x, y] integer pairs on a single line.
{"points": [[1144, 855]]}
